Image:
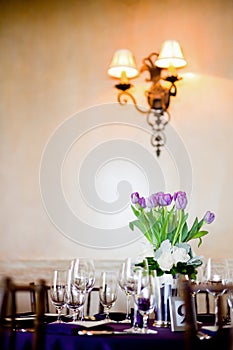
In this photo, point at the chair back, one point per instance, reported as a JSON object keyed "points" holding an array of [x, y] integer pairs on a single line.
{"points": [[9, 307], [195, 338]]}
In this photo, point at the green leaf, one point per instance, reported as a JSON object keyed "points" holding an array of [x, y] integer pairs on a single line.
{"points": [[194, 229], [184, 234], [199, 234], [135, 211], [155, 230], [144, 225], [131, 225]]}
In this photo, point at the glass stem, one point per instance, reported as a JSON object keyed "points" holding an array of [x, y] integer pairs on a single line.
{"points": [[59, 314], [145, 323], [135, 321], [216, 310], [82, 313], [107, 313], [127, 307], [75, 314]]}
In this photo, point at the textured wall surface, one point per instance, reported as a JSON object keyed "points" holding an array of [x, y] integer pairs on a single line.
{"points": [[54, 57]]}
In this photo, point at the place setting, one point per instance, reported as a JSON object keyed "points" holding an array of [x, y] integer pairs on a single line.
{"points": [[69, 291]]}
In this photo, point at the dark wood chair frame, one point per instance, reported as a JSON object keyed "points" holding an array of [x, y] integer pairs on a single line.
{"points": [[38, 293], [222, 339]]}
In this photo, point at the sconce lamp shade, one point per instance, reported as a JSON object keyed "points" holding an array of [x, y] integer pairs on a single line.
{"points": [[171, 55], [123, 61], [161, 67]]}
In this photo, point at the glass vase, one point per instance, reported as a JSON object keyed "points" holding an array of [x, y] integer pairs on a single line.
{"points": [[168, 287]]}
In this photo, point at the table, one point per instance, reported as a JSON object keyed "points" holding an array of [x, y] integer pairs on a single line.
{"points": [[65, 337]]}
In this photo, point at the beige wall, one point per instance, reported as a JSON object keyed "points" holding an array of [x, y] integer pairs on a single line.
{"points": [[53, 58]]}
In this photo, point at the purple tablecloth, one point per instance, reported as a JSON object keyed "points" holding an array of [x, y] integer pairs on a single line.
{"points": [[65, 337]]}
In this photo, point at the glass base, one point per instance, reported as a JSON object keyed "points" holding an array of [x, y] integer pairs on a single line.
{"points": [[134, 330], [125, 321], [140, 331], [58, 321], [161, 324]]}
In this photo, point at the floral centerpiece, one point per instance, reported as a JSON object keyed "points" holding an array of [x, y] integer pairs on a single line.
{"points": [[162, 219]]}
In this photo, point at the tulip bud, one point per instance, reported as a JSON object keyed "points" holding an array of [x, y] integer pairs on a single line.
{"points": [[134, 197], [209, 217]]}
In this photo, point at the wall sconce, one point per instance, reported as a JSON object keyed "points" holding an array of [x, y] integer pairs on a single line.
{"points": [[161, 67]]}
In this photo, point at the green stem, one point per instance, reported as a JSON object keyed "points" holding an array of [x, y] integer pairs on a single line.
{"points": [[180, 212], [148, 233]]}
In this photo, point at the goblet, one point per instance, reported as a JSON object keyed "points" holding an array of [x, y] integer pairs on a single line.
{"points": [[57, 291], [126, 287], [215, 277], [229, 289], [146, 296], [230, 301], [129, 273], [196, 282], [83, 271], [134, 267], [108, 291], [74, 297]]}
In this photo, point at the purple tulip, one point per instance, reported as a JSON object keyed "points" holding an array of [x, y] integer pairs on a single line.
{"points": [[209, 217], [176, 194], [151, 202], [164, 199], [180, 200], [142, 202], [135, 197], [167, 198]]}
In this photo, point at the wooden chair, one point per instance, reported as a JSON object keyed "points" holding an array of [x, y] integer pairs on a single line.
{"points": [[195, 339], [33, 301], [9, 307]]}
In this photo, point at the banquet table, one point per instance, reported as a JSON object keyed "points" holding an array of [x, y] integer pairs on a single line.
{"points": [[111, 336], [66, 336]]}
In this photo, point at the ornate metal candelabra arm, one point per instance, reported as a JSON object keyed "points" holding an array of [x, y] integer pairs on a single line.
{"points": [[123, 97], [148, 65]]}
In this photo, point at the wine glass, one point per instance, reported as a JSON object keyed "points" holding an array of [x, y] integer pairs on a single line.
{"points": [[126, 286], [215, 277], [230, 289], [57, 291], [108, 291], [132, 268], [83, 271], [146, 296], [74, 297], [199, 278]]}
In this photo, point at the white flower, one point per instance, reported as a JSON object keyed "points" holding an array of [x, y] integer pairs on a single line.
{"points": [[164, 247], [165, 261], [179, 255], [164, 255], [167, 256]]}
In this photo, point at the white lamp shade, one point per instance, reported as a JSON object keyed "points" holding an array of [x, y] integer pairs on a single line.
{"points": [[170, 55], [123, 61]]}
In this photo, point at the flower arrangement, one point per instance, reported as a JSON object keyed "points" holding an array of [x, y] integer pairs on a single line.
{"points": [[168, 233]]}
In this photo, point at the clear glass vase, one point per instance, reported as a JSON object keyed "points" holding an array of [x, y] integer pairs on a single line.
{"points": [[168, 287]]}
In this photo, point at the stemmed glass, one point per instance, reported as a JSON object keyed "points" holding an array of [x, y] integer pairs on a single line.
{"points": [[74, 297], [215, 277], [57, 291], [230, 288], [125, 283], [197, 281], [130, 271], [83, 271], [146, 296], [108, 291]]}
